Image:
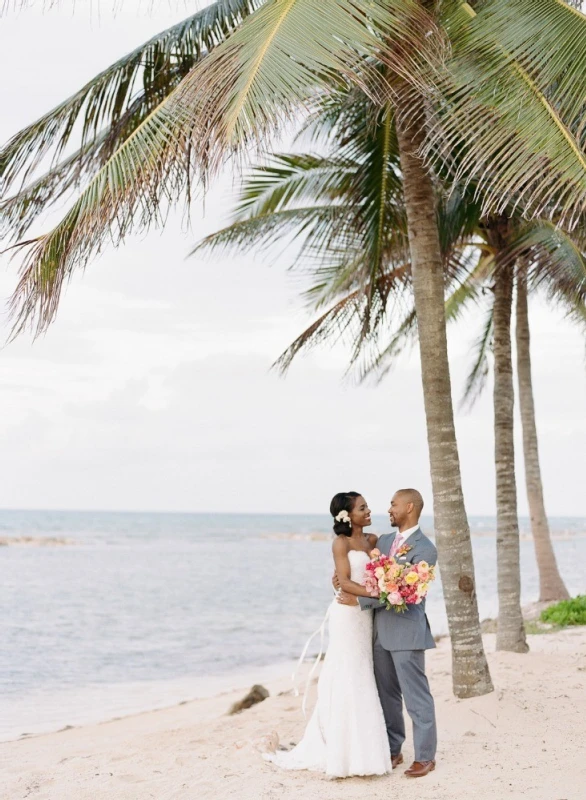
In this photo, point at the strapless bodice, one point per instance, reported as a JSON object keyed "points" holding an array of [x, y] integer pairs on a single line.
{"points": [[358, 560]]}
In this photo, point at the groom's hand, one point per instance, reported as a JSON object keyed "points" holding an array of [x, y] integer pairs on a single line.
{"points": [[347, 599], [335, 581]]}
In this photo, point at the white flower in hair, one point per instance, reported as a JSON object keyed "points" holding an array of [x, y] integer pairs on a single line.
{"points": [[343, 516]]}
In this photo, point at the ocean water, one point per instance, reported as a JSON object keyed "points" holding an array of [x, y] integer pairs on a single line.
{"points": [[143, 610]]}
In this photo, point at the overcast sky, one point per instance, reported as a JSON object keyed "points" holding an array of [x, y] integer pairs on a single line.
{"points": [[152, 390]]}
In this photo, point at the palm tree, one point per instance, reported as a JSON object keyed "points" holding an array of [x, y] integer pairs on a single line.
{"points": [[460, 82], [551, 584], [511, 626], [354, 230], [554, 260], [539, 256]]}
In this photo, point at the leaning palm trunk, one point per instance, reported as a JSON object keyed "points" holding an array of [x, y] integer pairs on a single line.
{"points": [[511, 629], [551, 585], [470, 673]]}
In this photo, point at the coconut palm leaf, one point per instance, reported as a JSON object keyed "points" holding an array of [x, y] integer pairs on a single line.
{"points": [[292, 178], [346, 318], [470, 286], [277, 61], [17, 213], [556, 262], [380, 361], [269, 210], [505, 117], [478, 375], [263, 231], [351, 250], [237, 96], [547, 39], [152, 70]]}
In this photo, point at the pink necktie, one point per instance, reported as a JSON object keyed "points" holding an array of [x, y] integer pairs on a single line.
{"points": [[396, 545]]}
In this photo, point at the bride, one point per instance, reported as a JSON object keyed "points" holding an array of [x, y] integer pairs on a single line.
{"points": [[346, 734]]}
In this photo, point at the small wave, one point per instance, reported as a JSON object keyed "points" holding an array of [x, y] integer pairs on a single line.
{"points": [[298, 537], [35, 541]]}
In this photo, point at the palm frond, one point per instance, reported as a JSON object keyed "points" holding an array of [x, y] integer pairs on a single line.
{"points": [[18, 212], [153, 70], [237, 96], [265, 230], [344, 318], [293, 178], [382, 358], [478, 375], [459, 217], [471, 288], [556, 264], [547, 39], [501, 118]]}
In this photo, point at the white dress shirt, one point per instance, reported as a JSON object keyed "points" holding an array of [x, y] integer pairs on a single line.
{"points": [[402, 537]]}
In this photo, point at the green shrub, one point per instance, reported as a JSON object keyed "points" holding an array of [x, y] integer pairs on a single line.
{"points": [[567, 612]]}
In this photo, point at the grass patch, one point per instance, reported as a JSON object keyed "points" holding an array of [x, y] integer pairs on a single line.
{"points": [[567, 612], [532, 627]]}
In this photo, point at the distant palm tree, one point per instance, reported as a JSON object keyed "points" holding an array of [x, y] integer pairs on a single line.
{"points": [[460, 83], [537, 257], [551, 584]]}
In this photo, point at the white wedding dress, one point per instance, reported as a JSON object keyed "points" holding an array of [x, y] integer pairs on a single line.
{"points": [[346, 734]]}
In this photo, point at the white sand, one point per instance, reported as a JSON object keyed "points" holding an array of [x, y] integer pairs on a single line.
{"points": [[527, 739]]}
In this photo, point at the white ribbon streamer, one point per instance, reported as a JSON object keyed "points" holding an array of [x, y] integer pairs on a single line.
{"points": [[321, 631]]}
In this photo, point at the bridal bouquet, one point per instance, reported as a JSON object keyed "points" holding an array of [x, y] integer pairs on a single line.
{"points": [[397, 585]]}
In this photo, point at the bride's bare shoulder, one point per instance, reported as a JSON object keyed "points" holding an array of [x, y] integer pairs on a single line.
{"points": [[372, 539], [340, 544]]}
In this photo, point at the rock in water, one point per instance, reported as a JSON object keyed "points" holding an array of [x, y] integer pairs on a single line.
{"points": [[256, 695]]}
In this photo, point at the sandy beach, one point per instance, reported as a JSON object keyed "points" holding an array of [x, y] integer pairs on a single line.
{"points": [[524, 740]]}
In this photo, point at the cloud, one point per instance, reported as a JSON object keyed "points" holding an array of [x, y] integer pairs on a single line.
{"points": [[153, 389]]}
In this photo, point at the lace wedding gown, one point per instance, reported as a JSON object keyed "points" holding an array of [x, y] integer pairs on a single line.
{"points": [[346, 734]]}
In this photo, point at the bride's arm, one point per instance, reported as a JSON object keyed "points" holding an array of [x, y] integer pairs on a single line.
{"points": [[342, 562]]}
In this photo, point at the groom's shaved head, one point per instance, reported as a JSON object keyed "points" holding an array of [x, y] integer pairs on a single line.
{"points": [[412, 496]]}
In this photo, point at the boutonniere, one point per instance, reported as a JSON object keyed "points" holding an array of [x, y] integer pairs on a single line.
{"points": [[402, 551]]}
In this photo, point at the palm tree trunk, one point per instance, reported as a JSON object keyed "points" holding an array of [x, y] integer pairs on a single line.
{"points": [[511, 628], [551, 585], [470, 673]]}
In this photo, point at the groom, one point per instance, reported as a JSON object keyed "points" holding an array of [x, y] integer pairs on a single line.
{"points": [[400, 642]]}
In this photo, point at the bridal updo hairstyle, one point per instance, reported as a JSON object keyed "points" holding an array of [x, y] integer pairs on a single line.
{"points": [[343, 501]]}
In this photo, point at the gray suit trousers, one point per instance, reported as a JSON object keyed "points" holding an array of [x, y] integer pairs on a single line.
{"points": [[401, 674]]}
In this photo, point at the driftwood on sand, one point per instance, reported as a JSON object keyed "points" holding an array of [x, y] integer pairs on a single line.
{"points": [[256, 695]]}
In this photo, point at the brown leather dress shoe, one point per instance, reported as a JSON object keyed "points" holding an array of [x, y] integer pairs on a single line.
{"points": [[396, 760], [419, 769]]}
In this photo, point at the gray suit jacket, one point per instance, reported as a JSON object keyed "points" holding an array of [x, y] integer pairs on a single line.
{"points": [[410, 630]]}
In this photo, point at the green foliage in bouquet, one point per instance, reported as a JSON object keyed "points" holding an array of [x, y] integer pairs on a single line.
{"points": [[567, 612]]}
